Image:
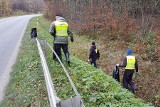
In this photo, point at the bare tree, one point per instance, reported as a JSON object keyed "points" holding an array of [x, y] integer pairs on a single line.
{"points": [[31, 6], [5, 7], [92, 16]]}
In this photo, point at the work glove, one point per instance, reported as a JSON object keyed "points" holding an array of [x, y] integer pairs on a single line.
{"points": [[90, 60], [117, 65], [72, 40], [52, 33]]}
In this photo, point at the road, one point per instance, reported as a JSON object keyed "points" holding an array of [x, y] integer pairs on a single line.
{"points": [[12, 30]]}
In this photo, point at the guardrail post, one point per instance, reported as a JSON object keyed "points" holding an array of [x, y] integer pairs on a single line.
{"points": [[43, 44]]}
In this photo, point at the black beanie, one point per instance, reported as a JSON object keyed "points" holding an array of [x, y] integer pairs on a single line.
{"points": [[93, 43]]}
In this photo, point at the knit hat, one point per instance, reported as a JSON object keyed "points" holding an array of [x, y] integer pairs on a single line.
{"points": [[93, 43], [129, 51]]}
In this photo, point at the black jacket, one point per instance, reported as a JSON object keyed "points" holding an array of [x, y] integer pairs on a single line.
{"points": [[94, 53]]}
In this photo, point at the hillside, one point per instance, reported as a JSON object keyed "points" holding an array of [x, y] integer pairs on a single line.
{"points": [[27, 86], [116, 26], [112, 52]]}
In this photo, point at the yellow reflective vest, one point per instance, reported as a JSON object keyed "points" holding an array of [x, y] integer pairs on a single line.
{"points": [[96, 50], [61, 28], [130, 62]]}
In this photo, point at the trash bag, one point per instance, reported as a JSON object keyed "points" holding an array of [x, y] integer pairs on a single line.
{"points": [[33, 32], [116, 74]]}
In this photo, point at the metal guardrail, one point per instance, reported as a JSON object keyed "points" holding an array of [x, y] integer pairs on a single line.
{"points": [[69, 78], [50, 89], [49, 83]]}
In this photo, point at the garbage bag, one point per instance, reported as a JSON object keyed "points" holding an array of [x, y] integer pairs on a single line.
{"points": [[116, 74], [33, 32]]}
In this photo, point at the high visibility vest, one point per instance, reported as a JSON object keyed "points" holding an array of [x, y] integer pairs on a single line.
{"points": [[61, 28], [96, 50], [130, 62]]}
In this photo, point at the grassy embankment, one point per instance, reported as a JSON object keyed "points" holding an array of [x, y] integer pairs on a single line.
{"points": [[27, 87]]}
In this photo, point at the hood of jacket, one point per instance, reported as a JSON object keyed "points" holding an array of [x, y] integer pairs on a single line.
{"points": [[58, 18]]}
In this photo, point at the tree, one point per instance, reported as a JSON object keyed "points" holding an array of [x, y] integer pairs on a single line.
{"points": [[5, 7]]}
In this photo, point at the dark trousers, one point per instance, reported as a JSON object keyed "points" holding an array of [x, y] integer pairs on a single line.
{"points": [[54, 56], [57, 48], [94, 63], [127, 79]]}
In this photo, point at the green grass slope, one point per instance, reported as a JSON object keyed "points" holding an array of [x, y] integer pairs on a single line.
{"points": [[27, 87]]}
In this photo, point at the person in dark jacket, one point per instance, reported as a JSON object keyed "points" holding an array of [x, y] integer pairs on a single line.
{"points": [[131, 64], [59, 29], [94, 55]]}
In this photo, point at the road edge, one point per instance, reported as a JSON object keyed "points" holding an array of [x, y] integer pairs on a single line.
{"points": [[5, 78]]}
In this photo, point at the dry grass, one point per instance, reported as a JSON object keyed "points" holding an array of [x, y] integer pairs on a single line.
{"points": [[113, 52]]}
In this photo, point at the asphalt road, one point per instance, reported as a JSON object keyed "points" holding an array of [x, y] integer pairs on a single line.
{"points": [[12, 30]]}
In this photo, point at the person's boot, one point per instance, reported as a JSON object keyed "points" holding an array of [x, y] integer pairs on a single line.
{"points": [[67, 59], [133, 89], [68, 63], [54, 57]]}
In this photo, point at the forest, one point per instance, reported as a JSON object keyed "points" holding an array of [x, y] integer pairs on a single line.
{"points": [[118, 19], [13, 7]]}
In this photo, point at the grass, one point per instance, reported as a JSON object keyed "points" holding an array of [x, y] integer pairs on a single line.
{"points": [[27, 86]]}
